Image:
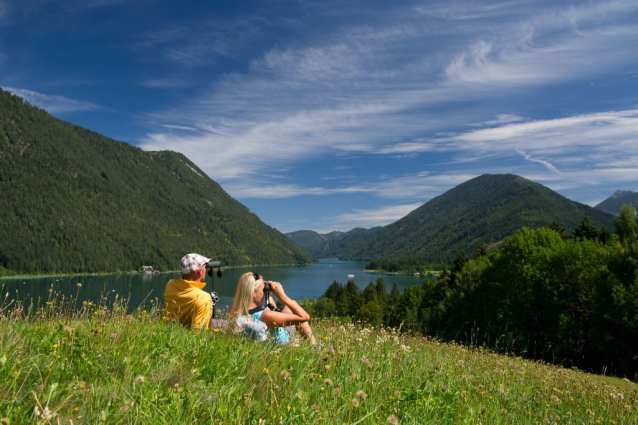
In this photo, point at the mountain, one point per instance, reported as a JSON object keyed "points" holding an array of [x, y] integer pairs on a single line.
{"points": [[619, 198], [315, 243], [329, 245], [76, 201], [486, 209]]}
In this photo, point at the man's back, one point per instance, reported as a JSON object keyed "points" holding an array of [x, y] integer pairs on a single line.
{"points": [[185, 300]]}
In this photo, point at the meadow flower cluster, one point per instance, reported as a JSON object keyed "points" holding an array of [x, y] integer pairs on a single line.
{"points": [[71, 365]]}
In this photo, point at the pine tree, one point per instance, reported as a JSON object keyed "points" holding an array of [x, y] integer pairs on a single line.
{"points": [[586, 230]]}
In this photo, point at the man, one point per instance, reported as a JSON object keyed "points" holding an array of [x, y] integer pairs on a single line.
{"points": [[184, 298]]}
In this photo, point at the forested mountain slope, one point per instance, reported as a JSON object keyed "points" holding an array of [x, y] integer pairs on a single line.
{"points": [[330, 245], [313, 242], [619, 198], [486, 209], [75, 201]]}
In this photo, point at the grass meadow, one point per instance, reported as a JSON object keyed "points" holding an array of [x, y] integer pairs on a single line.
{"points": [[92, 363]]}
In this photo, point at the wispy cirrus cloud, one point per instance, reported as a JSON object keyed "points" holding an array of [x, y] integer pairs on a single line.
{"points": [[402, 90], [585, 133], [198, 42], [53, 103], [559, 135], [278, 191], [421, 185], [550, 46], [331, 97], [375, 217], [547, 164], [499, 120], [179, 127]]}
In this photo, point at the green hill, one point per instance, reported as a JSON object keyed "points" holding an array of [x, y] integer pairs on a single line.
{"points": [[315, 243], [330, 245], [149, 372], [486, 209], [76, 201], [619, 198]]}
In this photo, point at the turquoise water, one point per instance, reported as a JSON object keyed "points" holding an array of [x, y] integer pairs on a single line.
{"points": [[298, 281]]}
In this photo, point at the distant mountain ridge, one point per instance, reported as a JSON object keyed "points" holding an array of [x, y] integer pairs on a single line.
{"points": [[486, 209], [619, 198], [76, 201], [329, 245]]}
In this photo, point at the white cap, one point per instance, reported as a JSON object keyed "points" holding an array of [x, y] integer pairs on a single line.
{"points": [[192, 262]]}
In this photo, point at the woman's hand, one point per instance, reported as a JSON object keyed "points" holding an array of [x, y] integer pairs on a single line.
{"points": [[295, 314], [277, 290]]}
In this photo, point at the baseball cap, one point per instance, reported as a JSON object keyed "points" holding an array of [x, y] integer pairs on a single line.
{"points": [[192, 262]]}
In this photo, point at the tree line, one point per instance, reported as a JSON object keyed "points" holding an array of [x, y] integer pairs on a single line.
{"points": [[543, 295]]}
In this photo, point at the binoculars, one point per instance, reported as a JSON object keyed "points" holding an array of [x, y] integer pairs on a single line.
{"points": [[214, 264]]}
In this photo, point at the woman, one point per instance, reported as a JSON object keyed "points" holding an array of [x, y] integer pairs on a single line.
{"points": [[249, 295]]}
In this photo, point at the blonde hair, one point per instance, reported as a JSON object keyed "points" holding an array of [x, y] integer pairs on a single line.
{"points": [[246, 287]]}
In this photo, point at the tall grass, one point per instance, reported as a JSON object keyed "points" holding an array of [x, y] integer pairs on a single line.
{"points": [[96, 363]]}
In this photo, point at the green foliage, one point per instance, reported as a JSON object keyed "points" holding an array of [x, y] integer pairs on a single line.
{"points": [[382, 292], [567, 301], [410, 265], [558, 228], [75, 201], [586, 230], [626, 225], [570, 301]]}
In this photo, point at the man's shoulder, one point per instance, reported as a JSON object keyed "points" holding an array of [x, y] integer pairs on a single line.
{"points": [[173, 283]]}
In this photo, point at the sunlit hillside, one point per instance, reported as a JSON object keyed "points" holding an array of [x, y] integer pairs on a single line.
{"points": [[104, 366]]}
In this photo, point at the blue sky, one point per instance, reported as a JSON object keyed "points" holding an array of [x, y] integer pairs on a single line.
{"points": [[329, 115]]}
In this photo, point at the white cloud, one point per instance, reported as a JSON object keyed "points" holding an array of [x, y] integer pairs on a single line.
{"points": [[249, 190], [501, 119], [547, 164], [587, 134], [419, 185], [52, 103], [374, 218], [558, 135], [555, 45], [179, 127], [522, 61], [390, 89]]}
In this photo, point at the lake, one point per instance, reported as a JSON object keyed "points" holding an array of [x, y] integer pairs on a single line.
{"points": [[298, 281]]}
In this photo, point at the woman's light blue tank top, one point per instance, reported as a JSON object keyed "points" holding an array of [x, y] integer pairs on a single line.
{"points": [[280, 335]]}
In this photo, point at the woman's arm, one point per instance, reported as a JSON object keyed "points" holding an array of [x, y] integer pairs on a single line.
{"points": [[276, 319]]}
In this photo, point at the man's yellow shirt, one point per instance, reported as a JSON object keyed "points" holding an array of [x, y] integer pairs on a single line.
{"points": [[185, 300]]}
